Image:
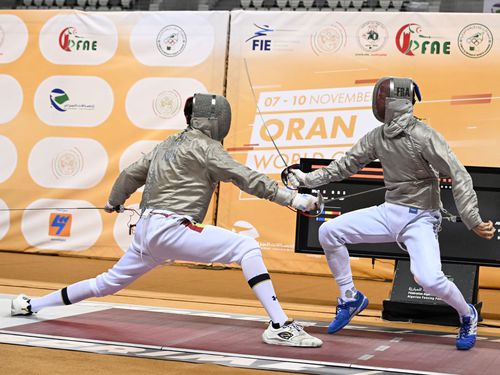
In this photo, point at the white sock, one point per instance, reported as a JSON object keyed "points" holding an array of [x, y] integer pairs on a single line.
{"points": [[339, 263], [256, 272], [455, 299], [66, 296]]}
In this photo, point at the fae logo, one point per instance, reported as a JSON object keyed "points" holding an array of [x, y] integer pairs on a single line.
{"points": [[78, 39], [60, 225], [69, 41], [257, 43], [410, 40]]}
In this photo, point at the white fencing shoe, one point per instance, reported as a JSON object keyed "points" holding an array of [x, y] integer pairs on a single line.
{"points": [[20, 306], [290, 334]]}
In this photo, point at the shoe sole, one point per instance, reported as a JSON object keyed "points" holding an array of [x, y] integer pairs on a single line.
{"points": [[361, 308], [287, 343]]}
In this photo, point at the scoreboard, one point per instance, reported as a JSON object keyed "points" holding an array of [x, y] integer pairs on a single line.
{"points": [[458, 244]]}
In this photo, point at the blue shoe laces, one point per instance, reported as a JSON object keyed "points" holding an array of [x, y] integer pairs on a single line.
{"points": [[465, 327]]}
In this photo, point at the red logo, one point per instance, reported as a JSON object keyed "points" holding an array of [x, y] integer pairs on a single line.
{"points": [[410, 40], [69, 41], [404, 40], [64, 38]]}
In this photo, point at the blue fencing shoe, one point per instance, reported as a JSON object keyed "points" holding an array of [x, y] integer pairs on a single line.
{"points": [[466, 337], [346, 311]]}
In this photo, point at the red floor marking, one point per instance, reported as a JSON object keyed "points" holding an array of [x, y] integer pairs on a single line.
{"points": [[413, 352]]}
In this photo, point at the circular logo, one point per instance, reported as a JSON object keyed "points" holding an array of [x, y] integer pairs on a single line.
{"points": [[372, 36], [475, 40], [167, 104], [171, 40], [67, 163], [58, 98], [328, 39]]}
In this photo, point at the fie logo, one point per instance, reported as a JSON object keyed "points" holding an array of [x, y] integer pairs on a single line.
{"points": [[257, 41], [60, 225]]}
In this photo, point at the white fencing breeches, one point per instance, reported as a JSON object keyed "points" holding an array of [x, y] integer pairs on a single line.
{"points": [[415, 228], [158, 239]]}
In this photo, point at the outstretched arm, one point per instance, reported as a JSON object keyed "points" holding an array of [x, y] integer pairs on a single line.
{"points": [[356, 158], [222, 167]]}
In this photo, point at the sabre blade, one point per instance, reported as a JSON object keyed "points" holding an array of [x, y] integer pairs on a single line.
{"points": [[262, 117]]}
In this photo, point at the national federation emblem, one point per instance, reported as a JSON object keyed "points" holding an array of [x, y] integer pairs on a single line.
{"points": [[328, 39], [171, 41], [67, 163], [372, 36], [475, 40], [167, 104]]}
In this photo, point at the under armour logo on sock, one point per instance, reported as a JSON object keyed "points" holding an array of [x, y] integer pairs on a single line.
{"points": [[274, 298]]}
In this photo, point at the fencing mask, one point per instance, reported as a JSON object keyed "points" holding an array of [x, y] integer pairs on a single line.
{"points": [[389, 89], [212, 115]]}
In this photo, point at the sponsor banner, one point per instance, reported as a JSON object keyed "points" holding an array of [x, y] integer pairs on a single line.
{"points": [[8, 158], [64, 228], [11, 98], [78, 39], [67, 163], [13, 38], [4, 219], [95, 91], [84, 101], [172, 39], [158, 103], [311, 76]]}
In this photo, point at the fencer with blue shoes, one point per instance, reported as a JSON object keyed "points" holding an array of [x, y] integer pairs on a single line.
{"points": [[466, 337], [346, 310]]}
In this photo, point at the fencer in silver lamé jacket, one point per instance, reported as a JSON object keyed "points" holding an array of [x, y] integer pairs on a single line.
{"points": [[181, 173], [412, 156]]}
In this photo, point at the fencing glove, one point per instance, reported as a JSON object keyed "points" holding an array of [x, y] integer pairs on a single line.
{"points": [[296, 178], [109, 208], [305, 202]]}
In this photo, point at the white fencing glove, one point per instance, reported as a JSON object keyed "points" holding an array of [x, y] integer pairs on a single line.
{"points": [[305, 202], [296, 178], [109, 208]]}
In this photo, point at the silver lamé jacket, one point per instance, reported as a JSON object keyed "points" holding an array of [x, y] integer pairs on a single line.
{"points": [[181, 173], [412, 155]]}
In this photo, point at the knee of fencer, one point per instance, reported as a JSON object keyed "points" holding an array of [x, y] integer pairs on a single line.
{"points": [[328, 239], [250, 248], [432, 284]]}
